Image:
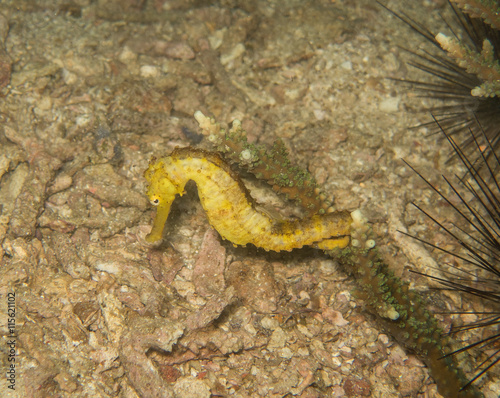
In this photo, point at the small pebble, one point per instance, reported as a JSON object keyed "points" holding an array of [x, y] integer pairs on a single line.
{"points": [[127, 55], [175, 50], [347, 65], [286, 353], [277, 340], [389, 105], [236, 52], [269, 323], [148, 71], [319, 114], [383, 338]]}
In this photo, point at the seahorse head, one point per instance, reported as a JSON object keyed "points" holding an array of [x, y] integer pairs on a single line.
{"points": [[161, 193]]}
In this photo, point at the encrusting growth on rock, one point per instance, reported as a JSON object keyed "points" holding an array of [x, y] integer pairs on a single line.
{"points": [[401, 311], [272, 166]]}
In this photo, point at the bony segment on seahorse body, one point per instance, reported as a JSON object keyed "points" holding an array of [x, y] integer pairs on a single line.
{"points": [[230, 208]]}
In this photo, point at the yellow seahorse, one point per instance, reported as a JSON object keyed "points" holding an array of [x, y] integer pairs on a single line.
{"points": [[230, 208]]}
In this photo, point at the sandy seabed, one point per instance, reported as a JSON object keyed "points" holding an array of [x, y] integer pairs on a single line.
{"points": [[90, 90]]}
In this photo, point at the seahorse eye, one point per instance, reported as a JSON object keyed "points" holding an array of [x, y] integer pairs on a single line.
{"points": [[155, 201]]}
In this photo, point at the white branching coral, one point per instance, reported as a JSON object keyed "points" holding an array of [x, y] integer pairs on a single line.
{"points": [[482, 64], [488, 10]]}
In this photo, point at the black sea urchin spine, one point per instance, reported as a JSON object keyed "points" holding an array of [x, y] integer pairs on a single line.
{"points": [[480, 241], [466, 71]]}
